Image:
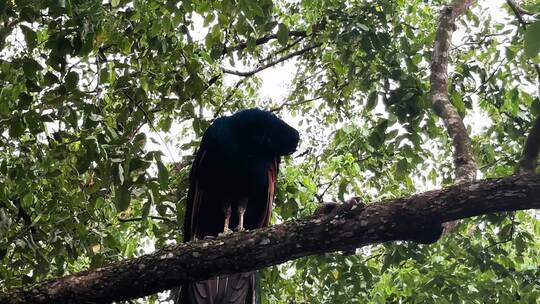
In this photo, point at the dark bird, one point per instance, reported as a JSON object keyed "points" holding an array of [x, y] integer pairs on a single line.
{"points": [[232, 183]]}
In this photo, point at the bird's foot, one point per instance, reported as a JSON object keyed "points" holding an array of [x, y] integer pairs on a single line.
{"points": [[355, 202], [226, 231], [325, 209], [240, 229], [331, 209]]}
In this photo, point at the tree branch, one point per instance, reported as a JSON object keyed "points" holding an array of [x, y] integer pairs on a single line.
{"points": [[414, 218], [262, 40], [272, 63], [516, 8], [282, 50], [228, 98], [243, 45], [137, 219], [253, 72], [287, 104], [517, 12], [465, 166]]}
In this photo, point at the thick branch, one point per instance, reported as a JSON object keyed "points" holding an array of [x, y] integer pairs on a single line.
{"points": [[415, 218], [465, 166]]}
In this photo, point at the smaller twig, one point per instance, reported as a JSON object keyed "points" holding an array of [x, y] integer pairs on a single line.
{"points": [[272, 63], [373, 256], [329, 184], [263, 40], [517, 12], [151, 124], [253, 72], [212, 81], [228, 98], [303, 153], [282, 50], [287, 104], [136, 219], [491, 75], [510, 237], [482, 40]]}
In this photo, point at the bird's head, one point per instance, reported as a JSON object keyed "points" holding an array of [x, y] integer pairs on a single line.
{"points": [[262, 132]]}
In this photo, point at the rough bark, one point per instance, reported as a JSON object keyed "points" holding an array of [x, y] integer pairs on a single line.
{"points": [[465, 166], [415, 218]]}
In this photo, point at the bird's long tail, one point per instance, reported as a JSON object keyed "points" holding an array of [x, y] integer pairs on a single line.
{"points": [[239, 288]]}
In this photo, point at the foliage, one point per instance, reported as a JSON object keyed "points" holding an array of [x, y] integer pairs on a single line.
{"points": [[88, 89]]}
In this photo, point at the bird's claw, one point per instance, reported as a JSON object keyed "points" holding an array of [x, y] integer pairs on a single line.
{"points": [[331, 209], [240, 229], [226, 231], [355, 202]]}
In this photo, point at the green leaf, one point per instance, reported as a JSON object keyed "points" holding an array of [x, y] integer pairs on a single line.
{"points": [[163, 175], [50, 79], [149, 202], [270, 26], [401, 167], [372, 101], [139, 141], [122, 198], [165, 124], [30, 37], [30, 67], [362, 27], [283, 34], [216, 51], [83, 163], [16, 126], [28, 199], [71, 80], [535, 107], [196, 85], [25, 100], [532, 39]]}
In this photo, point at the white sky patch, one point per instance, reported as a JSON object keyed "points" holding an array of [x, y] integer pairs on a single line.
{"points": [[276, 81]]}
